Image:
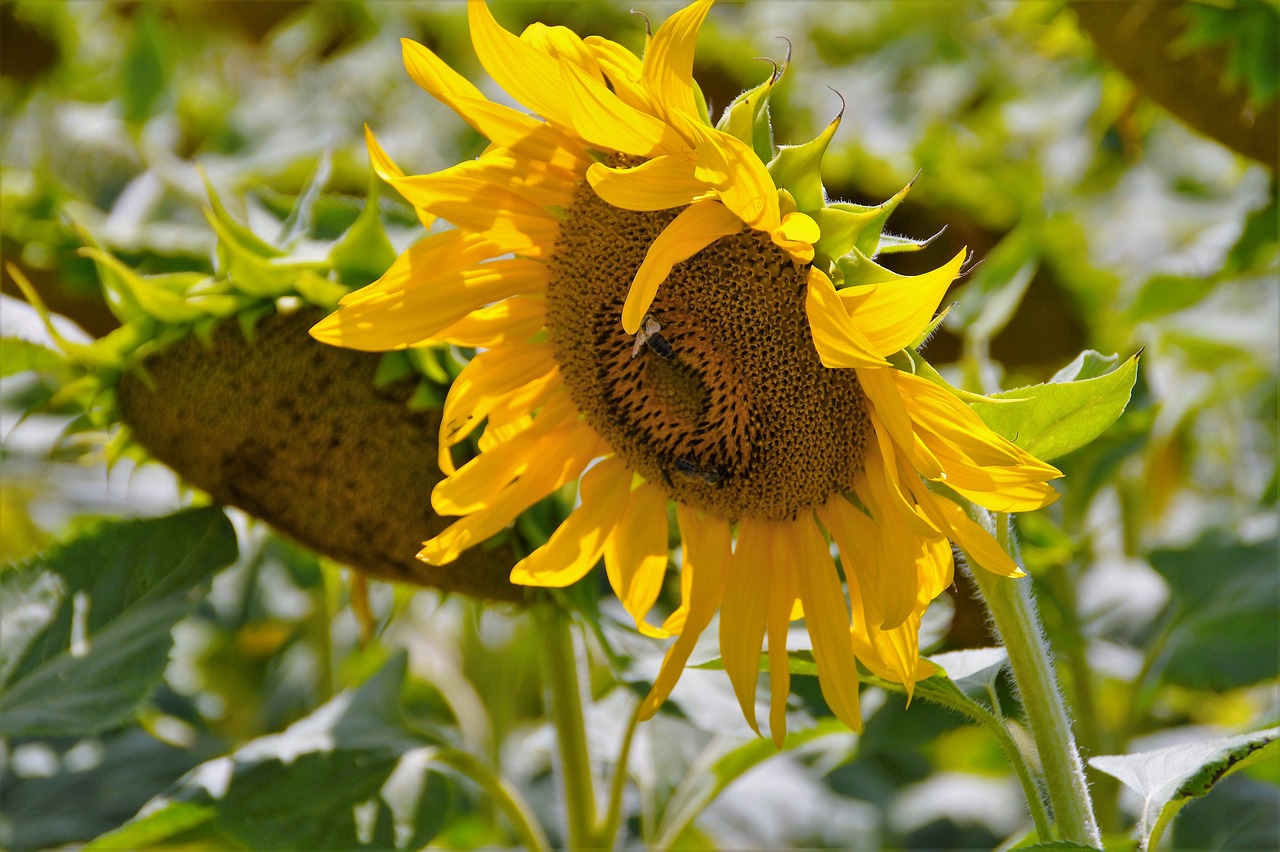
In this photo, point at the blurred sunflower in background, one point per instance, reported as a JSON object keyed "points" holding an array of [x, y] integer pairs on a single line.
{"points": [[669, 311]]}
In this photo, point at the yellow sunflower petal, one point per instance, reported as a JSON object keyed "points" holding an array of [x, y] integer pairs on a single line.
{"points": [[796, 234], [783, 593], [576, 545], [827, 619], [422, 294], [892, 314], [507, 127], [706, 552], [623, 70], [881, 387], [885, 464], [698, 226], [563, 93], [741, 181], [551, 468], [562, 43], [979, 544], [668, 59], [474, 204], [479, 480], [658, 184], [509, 321], [488, 377], [745, 611], [893, 580], [635, 556], [837, 339]]}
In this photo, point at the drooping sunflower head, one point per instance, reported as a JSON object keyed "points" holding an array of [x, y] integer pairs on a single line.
{"points": [[668, 311]]}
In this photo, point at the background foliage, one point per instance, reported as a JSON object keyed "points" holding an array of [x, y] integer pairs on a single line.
{"points": [[160, 654]]}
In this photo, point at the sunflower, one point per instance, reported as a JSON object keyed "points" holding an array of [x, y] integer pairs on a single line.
{"points": [[668, 311]]}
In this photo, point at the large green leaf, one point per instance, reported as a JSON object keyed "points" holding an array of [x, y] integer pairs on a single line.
{"points": [[326, 782], [1168, 778], [1225, 634], [1066, 415], [88, 624]]}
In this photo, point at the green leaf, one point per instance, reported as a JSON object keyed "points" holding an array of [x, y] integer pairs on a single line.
{"points": [[798, 169], [155, 827], [1066, 415], [1165, 294], [1168, 778], [18, 356], [1089, 364], [303, 788], [143, 70], [82, 663], [1225, 634]]}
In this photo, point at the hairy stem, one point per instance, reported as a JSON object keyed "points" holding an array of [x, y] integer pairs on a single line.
{"points": [[1014, 613]]}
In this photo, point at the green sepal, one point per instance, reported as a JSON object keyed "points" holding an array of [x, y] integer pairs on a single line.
{"points": [[891, 244], [130, 295], [427, 362], [319, 291], [392, 367], [426, 395], [365, 252], [798, 168], [241, 234], [858, 270], [742, 119], [248, 320], [252, 273]]}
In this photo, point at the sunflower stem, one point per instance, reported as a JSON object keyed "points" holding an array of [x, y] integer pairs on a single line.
{"points": [[560, 664], [1014, 613]]}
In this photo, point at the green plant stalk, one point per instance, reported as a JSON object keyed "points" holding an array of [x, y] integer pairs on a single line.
{"points": [[996, 726], [523, 822], [1014, 614], [560, 666], [607, 832]]}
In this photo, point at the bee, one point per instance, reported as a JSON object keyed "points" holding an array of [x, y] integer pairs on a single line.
{"points": [[650, 334], [709, 475]]}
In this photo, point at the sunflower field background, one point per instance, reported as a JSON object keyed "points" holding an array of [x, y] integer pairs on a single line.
{"points": [[186, 189]]}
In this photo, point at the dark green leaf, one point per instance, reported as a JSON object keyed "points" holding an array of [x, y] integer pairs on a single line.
{"points": [[1065, 416], [1226, 634], [82, 662], [326, 781]]}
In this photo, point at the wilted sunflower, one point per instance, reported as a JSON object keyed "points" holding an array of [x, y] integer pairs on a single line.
{"points": [[656, 306]]}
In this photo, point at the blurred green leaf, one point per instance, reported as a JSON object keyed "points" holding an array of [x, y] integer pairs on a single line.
{"points": [[1168, 778], [144, 70], [326, 782], [122, 586], [18, 356], [1165, 294], [155, 827], [1066, 415], [1225, 634]]}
